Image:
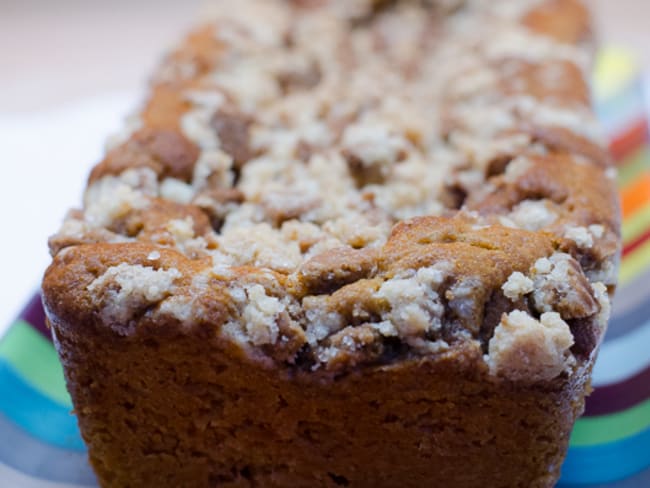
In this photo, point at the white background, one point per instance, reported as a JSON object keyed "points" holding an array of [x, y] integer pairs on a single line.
{"points": [[45, 159]]}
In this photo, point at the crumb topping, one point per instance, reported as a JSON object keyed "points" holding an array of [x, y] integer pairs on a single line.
{"points": [[517, 286], [403, 185], [415, 307], [260, 315], [124, 288], [581, 236], [526, 349]]}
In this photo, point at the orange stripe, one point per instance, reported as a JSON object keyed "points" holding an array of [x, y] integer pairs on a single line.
{"points": [[636, 195]]}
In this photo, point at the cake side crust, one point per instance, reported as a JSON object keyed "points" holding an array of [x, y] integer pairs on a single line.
{"points": [[236, 424]]}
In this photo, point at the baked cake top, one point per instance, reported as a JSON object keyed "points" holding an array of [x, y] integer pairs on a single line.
{"points": [[330, 184]]}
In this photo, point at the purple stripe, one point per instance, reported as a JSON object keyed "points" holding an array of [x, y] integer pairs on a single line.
{"points": [[34, 315], [619, 396]]}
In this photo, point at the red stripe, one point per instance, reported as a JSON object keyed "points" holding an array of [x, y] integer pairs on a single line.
{"points": [[635, 244], [619, 396], [629, 140]]}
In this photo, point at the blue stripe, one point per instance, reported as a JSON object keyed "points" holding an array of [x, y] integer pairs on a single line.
{"points": [[618, 111], [620, 359], [41, 461], [607, 462], [38, 415]]}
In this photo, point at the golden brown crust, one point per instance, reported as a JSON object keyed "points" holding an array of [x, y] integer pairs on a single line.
{"points": [[474, 264], [335, 268], [233, 130], [198, 54], [488, 253], [167, 152], [80, 265], [552, 178], [164, 108], [524, 77], [152, 223], [565, 20]]}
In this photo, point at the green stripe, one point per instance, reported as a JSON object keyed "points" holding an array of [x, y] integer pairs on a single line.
{"points": [[604, 429], [636, 225], [34, 358], [631, 166], [634, 264]]}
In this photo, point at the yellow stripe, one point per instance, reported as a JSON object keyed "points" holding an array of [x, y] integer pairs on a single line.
{"points": [[634, 264], [630, 168], [614, 69], [636, 224]]}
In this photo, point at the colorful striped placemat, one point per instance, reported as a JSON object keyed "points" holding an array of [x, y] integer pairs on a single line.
{"points": [[612, 440], [40, 444]]}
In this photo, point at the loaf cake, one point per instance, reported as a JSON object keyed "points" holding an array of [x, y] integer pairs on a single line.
{"points": [[344, 243]]}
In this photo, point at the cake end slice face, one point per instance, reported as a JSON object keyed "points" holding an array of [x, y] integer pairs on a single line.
{"points": [[345, 244]]}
